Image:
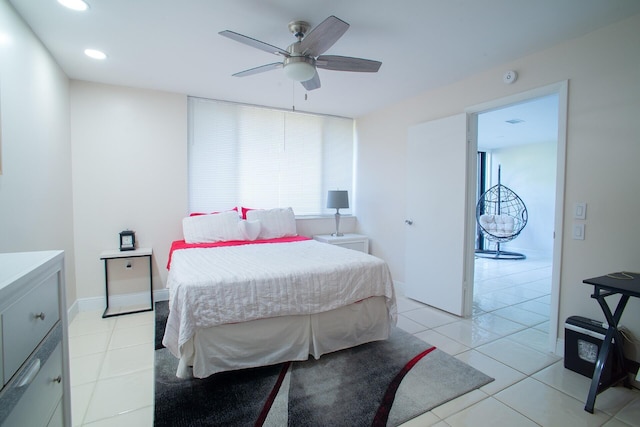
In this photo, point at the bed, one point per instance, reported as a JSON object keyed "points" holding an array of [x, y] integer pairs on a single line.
{"points": [[262, 300]]}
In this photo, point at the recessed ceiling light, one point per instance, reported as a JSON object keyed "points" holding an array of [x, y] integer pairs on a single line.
{"points": [[74, 4], [514, 121], [95, 54]]}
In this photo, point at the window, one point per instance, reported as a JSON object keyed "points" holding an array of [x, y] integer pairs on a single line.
{"points": [[242, 155]]}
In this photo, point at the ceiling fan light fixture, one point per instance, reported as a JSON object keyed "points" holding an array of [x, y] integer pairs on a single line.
{"points": [[299, 68]]}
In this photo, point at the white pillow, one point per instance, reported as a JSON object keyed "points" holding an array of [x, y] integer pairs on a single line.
{"points": [[250, 230], [274, 223], [220, 227]]}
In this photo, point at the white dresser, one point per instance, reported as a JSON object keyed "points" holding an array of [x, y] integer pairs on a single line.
{"points": [[34, 356], [357, 242]]}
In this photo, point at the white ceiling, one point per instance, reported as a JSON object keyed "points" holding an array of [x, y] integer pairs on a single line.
{"points": [[173, 45], [529, 122]]}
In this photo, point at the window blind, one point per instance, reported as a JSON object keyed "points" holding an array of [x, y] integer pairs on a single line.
{"points": [[241, 155]]}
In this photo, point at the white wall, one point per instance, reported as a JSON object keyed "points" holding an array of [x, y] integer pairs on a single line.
{"points": [[35, 185], [601, 166], [129, 171], [530, 172]]}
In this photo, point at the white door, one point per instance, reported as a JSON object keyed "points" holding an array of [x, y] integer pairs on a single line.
{"points": [[437, 221]]}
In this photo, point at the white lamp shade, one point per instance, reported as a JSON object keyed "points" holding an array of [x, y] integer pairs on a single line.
{"points": [[338, 199], [299, 71]]}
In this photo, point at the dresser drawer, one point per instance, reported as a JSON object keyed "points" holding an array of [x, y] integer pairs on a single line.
{"points": [[27, 322], [42, 395], [57, 420]]}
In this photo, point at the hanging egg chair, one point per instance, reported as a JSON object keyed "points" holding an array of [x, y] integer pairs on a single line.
{"points": [[501, 215]]}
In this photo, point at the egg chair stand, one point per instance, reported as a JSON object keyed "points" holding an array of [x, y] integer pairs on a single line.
{"points": [[500, 215]]}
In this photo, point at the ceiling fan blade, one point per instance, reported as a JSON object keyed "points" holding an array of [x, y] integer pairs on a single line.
{"points": [[347, 63], [323, 36], [254, 43], [260, 69], [313, 83]]}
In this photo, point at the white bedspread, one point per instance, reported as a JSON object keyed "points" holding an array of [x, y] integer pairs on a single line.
{"points": [[214, 286]]}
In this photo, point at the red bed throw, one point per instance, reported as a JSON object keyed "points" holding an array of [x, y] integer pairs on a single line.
{"points": [[181, 244]]}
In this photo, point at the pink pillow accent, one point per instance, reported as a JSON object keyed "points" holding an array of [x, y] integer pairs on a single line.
{"points": [[245, 210], [211, 213]]}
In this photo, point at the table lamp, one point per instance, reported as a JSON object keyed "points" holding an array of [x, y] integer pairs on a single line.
{"points": [[338, 199]]}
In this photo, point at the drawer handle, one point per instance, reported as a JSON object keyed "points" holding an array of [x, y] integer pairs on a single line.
{"points": [[30, 374], [57, 379], [40, 316]]}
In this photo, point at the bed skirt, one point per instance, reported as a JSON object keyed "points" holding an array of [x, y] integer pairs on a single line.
{"points": [[280, 339]]}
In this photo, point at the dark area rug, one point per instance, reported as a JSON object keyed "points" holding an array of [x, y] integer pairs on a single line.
{"points": [[380, 383], [162, 312]]}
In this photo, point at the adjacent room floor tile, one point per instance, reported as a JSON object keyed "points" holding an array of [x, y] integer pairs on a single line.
{"points": [[486, 303], [519, 315], [496, 324]]}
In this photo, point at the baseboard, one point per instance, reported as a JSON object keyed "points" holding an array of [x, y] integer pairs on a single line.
{"points": [[560, 347], [399, 287], [115, 301]]}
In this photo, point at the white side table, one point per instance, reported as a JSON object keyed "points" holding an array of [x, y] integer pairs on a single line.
{"points": [[357, 242], [136, 253]]}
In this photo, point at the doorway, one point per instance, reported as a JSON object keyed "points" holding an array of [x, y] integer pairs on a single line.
{"points": [[524, 136]]}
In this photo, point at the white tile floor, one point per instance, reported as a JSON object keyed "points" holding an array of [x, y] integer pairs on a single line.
{"points": [[112, 369], [112, 360]]}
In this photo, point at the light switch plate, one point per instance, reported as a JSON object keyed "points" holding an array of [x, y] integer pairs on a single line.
{"points": [[578, 231], [580, 211]]}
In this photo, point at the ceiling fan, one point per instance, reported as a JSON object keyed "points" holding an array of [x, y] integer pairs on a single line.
{"points": [[302, 57]]}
